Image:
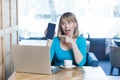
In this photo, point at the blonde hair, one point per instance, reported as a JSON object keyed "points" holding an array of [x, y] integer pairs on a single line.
{"points": [[68, 16]]}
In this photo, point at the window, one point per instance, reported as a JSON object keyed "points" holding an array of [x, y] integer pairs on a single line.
{"points": [[99, 18]]}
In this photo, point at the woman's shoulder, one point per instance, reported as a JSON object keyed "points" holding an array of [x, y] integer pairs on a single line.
{"points": [[81, 38], [56, 38]]}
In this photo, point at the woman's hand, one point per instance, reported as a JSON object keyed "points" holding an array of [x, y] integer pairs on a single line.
{"points": [[66, 39]]}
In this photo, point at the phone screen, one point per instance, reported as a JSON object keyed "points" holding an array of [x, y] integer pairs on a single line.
{"points": [[50, 30]]}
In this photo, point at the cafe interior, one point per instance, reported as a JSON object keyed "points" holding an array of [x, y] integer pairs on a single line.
{"points": [[23, 22]]}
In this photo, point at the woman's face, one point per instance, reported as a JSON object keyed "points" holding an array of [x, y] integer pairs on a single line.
{"points": [[68, 27]]}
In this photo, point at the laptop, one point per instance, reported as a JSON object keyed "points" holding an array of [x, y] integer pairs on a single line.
{"points": [[33, 59]]}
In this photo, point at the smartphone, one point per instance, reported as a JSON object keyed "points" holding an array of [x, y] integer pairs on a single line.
{"points": [[50, 31]]}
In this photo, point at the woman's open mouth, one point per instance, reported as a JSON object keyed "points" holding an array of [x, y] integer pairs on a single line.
{"points": [[67, 32]]}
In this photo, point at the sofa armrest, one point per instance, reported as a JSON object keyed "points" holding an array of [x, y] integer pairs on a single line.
{"points": [[92, 60]]}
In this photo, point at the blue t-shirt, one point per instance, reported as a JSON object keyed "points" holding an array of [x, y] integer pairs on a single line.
{"points": [[58, 55]]}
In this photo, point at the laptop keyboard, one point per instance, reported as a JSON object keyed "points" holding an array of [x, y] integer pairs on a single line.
{"points": [[55, 69]]}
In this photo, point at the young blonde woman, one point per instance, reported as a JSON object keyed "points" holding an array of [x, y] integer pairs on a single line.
{"points": [[68, 45]]}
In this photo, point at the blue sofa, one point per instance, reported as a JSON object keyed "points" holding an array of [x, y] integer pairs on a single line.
{"points": [[91, 60]]}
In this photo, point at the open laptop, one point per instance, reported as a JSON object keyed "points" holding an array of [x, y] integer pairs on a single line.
{"points": [[33, 59]]}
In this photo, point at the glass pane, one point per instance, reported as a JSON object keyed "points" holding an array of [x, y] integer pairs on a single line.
{"points": [[99, 18]]}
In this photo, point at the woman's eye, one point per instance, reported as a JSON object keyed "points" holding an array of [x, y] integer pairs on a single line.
{"points": [[69, 22], [63, 23]]}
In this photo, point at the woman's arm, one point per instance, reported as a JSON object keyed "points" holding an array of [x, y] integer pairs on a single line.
{"points": [[79, 52], [49, 42]]}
